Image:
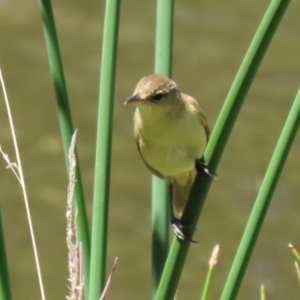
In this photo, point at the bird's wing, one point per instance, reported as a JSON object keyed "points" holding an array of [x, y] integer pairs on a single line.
{"points": [[153, 171], [193, 102], [203, 121]]}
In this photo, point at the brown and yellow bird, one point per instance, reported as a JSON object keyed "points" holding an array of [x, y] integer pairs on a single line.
{"points": [[171, 132]]}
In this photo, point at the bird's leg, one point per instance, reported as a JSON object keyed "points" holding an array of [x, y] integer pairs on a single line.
{"points": [[178, 227], [202, 168]]}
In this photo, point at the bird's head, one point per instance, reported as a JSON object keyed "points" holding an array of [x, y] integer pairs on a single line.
{"points": [[154, 89]]}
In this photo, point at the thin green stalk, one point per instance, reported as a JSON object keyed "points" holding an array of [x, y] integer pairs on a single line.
{"points": [[160, 189], [206, 284], [217, 143], [103, 149], [213, 261], [262, 202], [66, 126], [5, 291], [160, 229], [164, 37], [262, 292]]}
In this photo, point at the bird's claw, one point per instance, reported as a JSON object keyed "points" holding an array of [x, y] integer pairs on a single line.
{"points": [[178, 229], [202, 168]]}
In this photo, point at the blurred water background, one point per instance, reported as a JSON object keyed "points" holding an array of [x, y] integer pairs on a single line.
{"points": [[210, 41]]}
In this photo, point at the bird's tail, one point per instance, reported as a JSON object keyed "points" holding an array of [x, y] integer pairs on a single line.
{"points": [[181, 186]]}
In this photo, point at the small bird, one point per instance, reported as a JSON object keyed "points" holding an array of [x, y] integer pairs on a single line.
{"points": [[171, 132]]}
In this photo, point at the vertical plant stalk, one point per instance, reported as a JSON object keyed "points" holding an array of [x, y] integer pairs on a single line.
{"points": [[262, 292], [5, 291], [160, 189], [262, 202], [103, 149], [66, 126], [18, 171], [212, 263], [217, 143], [74, 264]]}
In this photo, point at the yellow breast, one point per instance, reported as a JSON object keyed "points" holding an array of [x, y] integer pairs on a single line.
{"points": [[170, 146]]}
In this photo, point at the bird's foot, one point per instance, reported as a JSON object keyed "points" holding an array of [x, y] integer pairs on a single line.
{"points": [[179, 228], [202, 168]]}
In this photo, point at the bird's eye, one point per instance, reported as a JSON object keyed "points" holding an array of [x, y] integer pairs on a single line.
{"points": [[158, 96]]}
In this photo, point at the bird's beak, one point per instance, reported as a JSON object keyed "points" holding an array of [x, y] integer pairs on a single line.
{"points": [[132, 99]]}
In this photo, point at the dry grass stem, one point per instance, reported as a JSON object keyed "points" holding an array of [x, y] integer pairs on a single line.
{"points": [[74, 264], [108, 282], [18, 171], [293, 249], [13, 166]]}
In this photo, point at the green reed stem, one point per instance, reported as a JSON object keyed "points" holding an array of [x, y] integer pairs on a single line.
{"points": [[217, 143], [211, 266], [5, 291], [206, 284], [160, 229], [66, 126], [103, 149], [160, 189], [262, 202], [262, 293]]}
